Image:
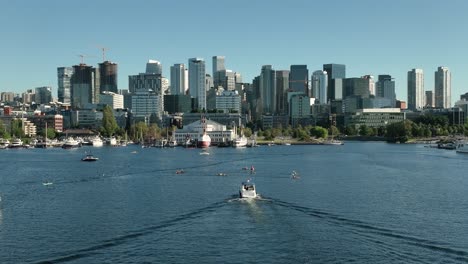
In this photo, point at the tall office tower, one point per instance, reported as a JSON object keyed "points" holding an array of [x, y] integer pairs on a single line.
{"points": [[429, 99], [178, 79], [238, 77], [85, 86], [319, 81], [146, 82], [356, 87], [371, 83], [226, 79], [334, 71], [218, 66], [64, 75], [43, 95], [268, 90], [153, 67], [386, 88], [299, 79], [197, 85], [443, 87], [108, 77], [282, 88], [147, 92], [416, 89]]}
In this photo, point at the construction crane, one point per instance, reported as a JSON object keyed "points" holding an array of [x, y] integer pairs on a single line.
{"points": [[103, 50], [84, 56]]}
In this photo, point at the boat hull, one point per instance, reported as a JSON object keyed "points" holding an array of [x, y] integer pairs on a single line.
{"points": [[203, 144]]}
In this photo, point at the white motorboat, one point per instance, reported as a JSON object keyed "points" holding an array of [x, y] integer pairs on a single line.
{"points": [[47, 183], [16, 143], [4, 143], [89, 157], [112, 141], [247, 190], [70, 143], [97, 142], [462, 147], [240, 142], [333, 142]]}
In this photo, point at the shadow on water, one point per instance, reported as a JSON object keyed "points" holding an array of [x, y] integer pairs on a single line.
{"points": [[367, 230], [119, 240]]}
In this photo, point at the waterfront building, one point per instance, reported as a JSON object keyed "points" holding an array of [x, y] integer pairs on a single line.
{"points": [[416, 89], [319, 81], [178, 79], [85, 86], [386, 88], [374, 117], [116, 101], [153, 67], [228, 102], [64, 75], [216, 131], [299, 79], [334, 71], [197, 82], [108, 77], [268, 90], [43, 95], [443, 87]]}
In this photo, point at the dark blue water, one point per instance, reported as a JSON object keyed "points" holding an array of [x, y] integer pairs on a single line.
{"points": [[361, 202]]}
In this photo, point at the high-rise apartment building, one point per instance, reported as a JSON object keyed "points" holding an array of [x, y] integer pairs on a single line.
{"points": [[85, 86], [64, 75], [154, 67], [319, 81], [386, 88], [416, 89], [268, 90], [178, 79], [197, 85], [335, 72], [108, 77], [443, 87], [218, 64], [299, 79], [429, 99], [43, 95]]}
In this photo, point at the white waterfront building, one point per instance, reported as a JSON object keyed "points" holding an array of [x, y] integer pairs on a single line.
{"points": [[217, 132]]}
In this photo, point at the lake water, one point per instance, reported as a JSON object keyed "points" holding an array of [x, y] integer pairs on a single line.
{"points": [[361, 202]]}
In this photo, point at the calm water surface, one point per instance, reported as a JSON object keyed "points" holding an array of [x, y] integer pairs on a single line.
{"points": [[361, 202]]}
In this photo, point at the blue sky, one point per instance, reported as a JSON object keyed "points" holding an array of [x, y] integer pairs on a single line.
{"points": [[370, 37]]}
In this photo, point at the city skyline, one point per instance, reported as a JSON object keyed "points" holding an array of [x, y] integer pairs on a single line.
{"points": [[47, 36]]}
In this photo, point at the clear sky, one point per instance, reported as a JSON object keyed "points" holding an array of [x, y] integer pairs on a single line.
{"points": [[370, 37]]}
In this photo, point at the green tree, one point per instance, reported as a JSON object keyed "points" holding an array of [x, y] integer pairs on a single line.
{"points": [[51, 134], [109, 125], [350, 130], [400, 131], [17, 128], [247, 132], [365, 130]]}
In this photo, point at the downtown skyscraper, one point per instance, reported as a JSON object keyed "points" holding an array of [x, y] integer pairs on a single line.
{"points": [[268, 90], [443, 87], [108, 77], [178, 79], [299, 79], [336, 72], [197, 86], [416, 94], [320, 86], [64, 75], [154, 67]]}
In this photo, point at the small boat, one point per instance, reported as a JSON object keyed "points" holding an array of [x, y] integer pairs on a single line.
{"points": [[71, 143], [97, 142], [204, 153], [89, 157], [295, 175], [16, 143], [221, 174], [247, 190], [180, 171], [462, 148], [47, 183], [240, 142], [333, 142]]}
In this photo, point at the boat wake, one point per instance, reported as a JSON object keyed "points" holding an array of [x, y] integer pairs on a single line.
{"points": [[371, 232], [119, 240]]}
